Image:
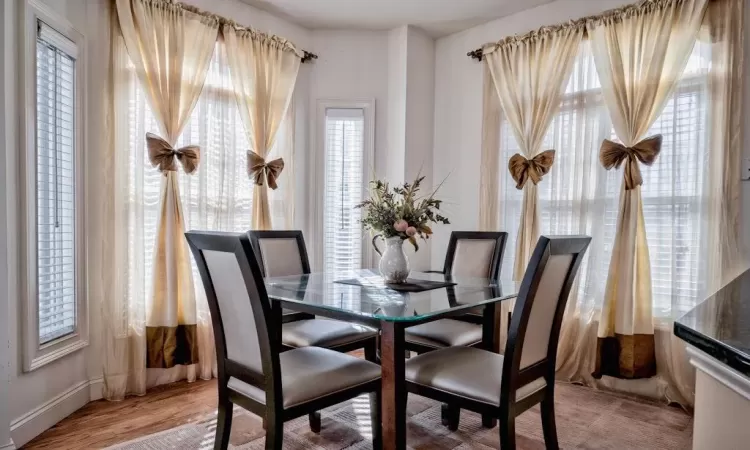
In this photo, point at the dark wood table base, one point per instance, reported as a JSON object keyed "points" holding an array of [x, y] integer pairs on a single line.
{"points": [[392, 345]]}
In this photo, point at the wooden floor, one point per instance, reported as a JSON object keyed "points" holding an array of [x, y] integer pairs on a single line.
{"points": [[581, 412], [103, 423]]}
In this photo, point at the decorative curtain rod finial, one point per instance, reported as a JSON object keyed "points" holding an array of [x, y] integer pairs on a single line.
{"points": [[475, 54], [308, 57]]}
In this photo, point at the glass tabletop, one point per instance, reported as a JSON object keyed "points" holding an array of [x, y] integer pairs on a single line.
{"points": [[377, 301]]}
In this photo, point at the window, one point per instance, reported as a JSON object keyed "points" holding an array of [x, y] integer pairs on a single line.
{"points": [[579, 196], [344, 189], [55, 184], [53, 254], [342, 168]]}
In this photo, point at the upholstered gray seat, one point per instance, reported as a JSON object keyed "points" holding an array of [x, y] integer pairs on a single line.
{"points": [[323, 333], [466, 372], [310, 373], [445, 333]]}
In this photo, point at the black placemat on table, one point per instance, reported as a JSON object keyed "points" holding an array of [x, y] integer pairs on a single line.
{"points": [[411, 284]]}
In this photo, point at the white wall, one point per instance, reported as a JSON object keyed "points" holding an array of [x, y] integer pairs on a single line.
{"points": [[396, 68], [353, 65], [397, 104], [40, 398], [458, 107], [6, 122], [420, 112]]}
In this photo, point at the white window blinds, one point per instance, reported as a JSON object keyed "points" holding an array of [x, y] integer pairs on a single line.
{"points": [[344, 188], [55, 184]]}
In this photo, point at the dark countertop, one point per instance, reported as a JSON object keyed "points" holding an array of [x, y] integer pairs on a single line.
{"points": [[720, 326]]}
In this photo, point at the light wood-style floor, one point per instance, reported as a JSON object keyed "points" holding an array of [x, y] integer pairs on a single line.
{"points": [[602, 419], [103, 423]]}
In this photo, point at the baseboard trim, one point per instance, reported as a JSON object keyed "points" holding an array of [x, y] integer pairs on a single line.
{"points": [[96, 386], [44, 416], [9, 446]]}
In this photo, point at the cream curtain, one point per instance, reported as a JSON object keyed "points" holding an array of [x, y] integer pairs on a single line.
{"points": [[529, 75], [264, 70], [723, 30], [640, 53], [489, 180], [489, 175], [170, 48]]}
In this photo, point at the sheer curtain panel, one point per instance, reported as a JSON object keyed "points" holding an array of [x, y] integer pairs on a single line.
{"points": [[170, 48], [640, 53], [264, 70], [529, 75]]}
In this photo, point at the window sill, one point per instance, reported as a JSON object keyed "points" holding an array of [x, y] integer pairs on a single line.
{"points": [[59, 350]]}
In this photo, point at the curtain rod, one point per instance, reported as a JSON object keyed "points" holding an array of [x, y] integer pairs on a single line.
{"points": [[306, 56], [611, 14]]}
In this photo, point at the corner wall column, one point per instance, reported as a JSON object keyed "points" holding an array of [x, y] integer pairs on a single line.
{"points": [[7, 96]]}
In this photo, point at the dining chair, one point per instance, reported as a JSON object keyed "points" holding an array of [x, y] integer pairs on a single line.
{"points": [[283, 253], [287, 256], [476, 254], [253, 372], [505, 386]]}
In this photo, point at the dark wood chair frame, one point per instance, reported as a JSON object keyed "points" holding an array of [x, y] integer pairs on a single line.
{"points": [[257, 235], [369, 345], [266, 314], [497, 258], [513, 378], [495, 265]]}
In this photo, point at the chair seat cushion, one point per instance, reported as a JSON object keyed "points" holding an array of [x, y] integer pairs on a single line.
{"points": [[466, 372], [310, 373], [444, 333], [323, 333]]}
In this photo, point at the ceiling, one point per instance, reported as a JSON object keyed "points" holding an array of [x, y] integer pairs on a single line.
{"points": [[436, 17]]}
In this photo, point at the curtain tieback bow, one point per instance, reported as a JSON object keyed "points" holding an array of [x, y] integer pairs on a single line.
{"points": [[523, 170], [262, 171], [613, 154], [162, 154]]}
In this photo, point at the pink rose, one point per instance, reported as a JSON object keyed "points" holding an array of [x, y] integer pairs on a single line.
{"points": [[400, 225], [411, 231]]}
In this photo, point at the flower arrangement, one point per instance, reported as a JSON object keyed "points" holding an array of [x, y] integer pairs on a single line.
{"points": [[401, 211]]}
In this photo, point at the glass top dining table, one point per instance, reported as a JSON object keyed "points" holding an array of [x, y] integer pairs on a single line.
{"points": [[374, 301], [392, 312]]}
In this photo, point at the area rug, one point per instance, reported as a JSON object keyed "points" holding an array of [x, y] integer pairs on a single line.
{"points": [[586, 419]]}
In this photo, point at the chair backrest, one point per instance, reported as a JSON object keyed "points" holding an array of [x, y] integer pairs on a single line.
{"points": [[475, 254], [239, 305], [280, 252], [531, 348]]}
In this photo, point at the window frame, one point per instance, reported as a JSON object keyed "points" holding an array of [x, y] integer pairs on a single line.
{"points": [[317, 196], [35, 354]]}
